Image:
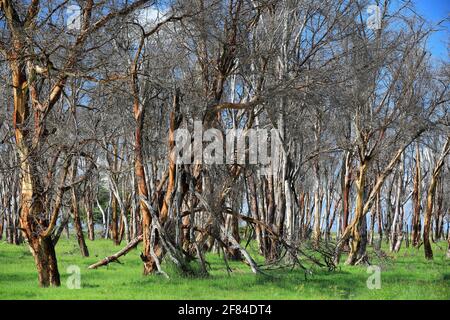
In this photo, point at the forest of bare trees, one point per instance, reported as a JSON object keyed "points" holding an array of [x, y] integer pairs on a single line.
{"points": [[92, 100]]}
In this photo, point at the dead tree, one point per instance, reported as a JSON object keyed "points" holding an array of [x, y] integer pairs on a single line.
{"points": [[430, 199]]}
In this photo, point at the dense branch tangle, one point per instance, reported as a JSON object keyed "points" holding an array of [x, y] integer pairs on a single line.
{"points": [[360, 114]]}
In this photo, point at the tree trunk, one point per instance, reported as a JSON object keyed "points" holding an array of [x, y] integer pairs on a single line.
{"points": [[301, 215], [232, 227], [2, 219], [62, 226], [149, 248], [346, 193], [448, 241], [427, 219], [363, 243], [327, 212], [149, 263], [90, 218], [31, 191], [372, 226], [388, 220], [380, 215], [439, 217], [76, 215], [397, 224], [175, 121], [430, 200], [363, 206], [115, 236], [45, 259], [253, 206], [317, 191], [317, 214], [289, 229], [271, 247], [359, 212], [89, 207], [336, 209], [416, 225]]}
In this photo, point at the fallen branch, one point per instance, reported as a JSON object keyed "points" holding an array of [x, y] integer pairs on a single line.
{"points": [[114, 258]]}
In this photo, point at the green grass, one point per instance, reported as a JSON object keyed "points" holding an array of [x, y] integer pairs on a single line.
{"points": [[406, 276]]}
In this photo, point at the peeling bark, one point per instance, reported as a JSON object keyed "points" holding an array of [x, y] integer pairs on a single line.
{"points": [[430, 199]]}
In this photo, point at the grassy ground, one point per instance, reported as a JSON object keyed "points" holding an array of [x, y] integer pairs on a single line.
{"points": [[406, 276]]}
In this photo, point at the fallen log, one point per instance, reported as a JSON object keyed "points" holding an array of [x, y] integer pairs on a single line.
{"points": [[131, 245]]}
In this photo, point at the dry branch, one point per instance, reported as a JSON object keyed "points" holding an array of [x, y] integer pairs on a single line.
{"points": [[114, 258]]}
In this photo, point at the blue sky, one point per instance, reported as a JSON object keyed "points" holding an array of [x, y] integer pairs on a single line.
{"points": [[435, 11]]}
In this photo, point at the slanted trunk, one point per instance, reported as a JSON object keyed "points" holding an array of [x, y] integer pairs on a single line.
{"points": [[115, 257], [63, 226], [121, 225], [336, 208], [232, 227]]}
